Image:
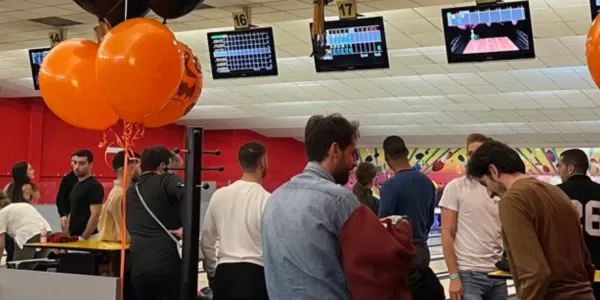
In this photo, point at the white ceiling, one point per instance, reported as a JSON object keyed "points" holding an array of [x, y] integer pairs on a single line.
{"points": [[550, 100]]}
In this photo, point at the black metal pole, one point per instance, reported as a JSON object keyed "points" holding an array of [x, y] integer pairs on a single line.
{"points": [[191, 214]]}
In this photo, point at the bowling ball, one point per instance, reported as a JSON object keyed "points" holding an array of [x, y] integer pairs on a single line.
{"points": [[550, 156], [545, 169], [438, 165]]}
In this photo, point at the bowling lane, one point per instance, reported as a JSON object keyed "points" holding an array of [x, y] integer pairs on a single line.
{"points": [[434, 241], [438, 266], [486, 45], [436, 250]]}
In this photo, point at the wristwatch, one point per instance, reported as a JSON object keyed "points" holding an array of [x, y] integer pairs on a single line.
{"points": [[453, 276]]}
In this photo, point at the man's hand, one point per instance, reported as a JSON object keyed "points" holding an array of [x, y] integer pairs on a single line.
{"points": [[178, 232], [63, 222], [456, 289], [211, 283], [395, 219]]}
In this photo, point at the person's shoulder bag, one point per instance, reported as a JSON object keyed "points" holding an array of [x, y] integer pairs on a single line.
{"points": [[178, 243]]}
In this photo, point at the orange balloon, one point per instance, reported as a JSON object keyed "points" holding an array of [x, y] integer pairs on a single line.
{"points": [[139, 66], [592, 51], [69, 87], [187, 94]]}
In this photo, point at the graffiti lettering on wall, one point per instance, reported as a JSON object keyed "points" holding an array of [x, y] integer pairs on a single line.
{"points": [[445, 164]]}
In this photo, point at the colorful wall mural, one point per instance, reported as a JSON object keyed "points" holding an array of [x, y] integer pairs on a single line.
{"points": [[445, 164]]}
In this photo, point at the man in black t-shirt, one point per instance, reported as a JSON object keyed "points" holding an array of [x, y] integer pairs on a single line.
{"points": [[153, 254], [86, 198], [585, 195]]}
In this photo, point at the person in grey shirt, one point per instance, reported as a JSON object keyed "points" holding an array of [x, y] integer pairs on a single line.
{"points": [[302, 219]]}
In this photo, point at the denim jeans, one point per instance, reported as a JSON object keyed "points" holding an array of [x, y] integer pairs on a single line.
{"points": [[478, 286]]}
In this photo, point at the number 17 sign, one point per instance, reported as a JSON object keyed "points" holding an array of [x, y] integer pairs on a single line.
{"points": [[347, 9]]}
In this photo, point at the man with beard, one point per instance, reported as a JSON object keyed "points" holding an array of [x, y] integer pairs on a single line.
{"points": [[540, 229], [112, 212], [304, 216], [585, 195], [233, 218], [153, 208], [110, 218], [408, 193]]}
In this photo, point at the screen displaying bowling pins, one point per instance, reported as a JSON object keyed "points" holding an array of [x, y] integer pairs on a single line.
{"points": [[488, 32]]}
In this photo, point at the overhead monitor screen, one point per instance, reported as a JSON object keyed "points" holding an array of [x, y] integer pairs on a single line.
{"points": [[594, 8], [36, 56], [354, 44], [488, 32], [242, 53]]}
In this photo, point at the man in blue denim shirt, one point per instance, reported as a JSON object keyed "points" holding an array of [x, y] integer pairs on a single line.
{"points": [[303, 217]]}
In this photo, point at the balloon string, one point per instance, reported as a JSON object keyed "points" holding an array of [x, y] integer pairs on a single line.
{"points": [[126, 4], [107, 24], [106, 145], [124, 220], [131, 133]]}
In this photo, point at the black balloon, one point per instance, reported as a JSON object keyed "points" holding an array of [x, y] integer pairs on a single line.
{"points": [[99, 8], [135, 9], [173, 9]]}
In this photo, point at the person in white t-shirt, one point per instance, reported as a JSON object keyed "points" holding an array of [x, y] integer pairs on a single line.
{"points": [[23, 223], [471, 236], [233, 217]]}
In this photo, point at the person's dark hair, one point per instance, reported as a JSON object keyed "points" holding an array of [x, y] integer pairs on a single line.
{"points": [[322, 131], [250, 154], [576, 158], [365, 172], [153, 157], [4, 200], [19, 176], [85, 153], [505, 158], [118, 161], [394, 147], [477, 137]]}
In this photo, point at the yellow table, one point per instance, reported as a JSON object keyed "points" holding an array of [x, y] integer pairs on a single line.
{"points": [[83, 245], [506, 275], [107, 249]]}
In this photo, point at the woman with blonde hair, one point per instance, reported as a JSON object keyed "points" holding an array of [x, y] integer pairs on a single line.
{"points": [[365, 175]]}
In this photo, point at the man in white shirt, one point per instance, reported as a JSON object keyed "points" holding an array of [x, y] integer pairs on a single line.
{"points": [[233, 217], [471, 236], [23, 223]]}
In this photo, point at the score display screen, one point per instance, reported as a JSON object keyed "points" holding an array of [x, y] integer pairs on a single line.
{"points": [[594, 8], [242, 53], [354, 44], [488, 32], [36, 56]]}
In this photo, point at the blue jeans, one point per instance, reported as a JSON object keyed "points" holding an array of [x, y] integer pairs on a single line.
{"points": [[478, 286]]}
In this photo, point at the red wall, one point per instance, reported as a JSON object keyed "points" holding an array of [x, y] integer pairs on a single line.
{"points": [[31, 132], [285, 156]]}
